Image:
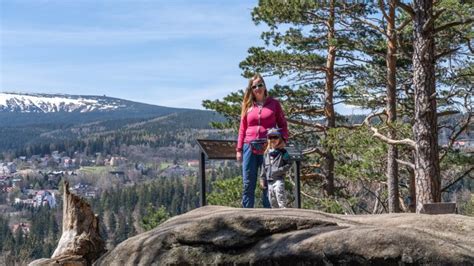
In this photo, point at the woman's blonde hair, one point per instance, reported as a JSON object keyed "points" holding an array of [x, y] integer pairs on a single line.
{"points": [[249, 98]]}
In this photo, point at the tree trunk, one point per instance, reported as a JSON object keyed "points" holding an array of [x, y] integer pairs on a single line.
{"points": [[392, 155], [328, 103], [80, 242], [412, 189], [425, 128]]}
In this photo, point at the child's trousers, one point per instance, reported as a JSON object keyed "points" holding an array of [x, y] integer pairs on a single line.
{"points": [[276, 193]]}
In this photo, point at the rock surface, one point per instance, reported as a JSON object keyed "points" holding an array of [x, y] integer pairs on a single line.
{"points": [[222, 235], [80, 242]]}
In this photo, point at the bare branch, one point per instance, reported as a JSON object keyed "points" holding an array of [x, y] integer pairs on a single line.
{"points": [[411, 165], [452, 139], [382, 8], [307, 124], [408, 142], [314, 150], [301, 133], [375, 195], [314, 176], [448, 112], [309, 111], [458, 179], [385, 139]]}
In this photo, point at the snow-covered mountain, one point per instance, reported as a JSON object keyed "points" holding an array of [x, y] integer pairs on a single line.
{"points": [[50, 103]]}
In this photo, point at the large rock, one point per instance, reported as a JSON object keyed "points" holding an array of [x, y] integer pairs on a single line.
{"points": [[221, 235], [80, 242]]}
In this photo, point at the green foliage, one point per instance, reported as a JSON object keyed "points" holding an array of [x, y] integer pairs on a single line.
{"points": [[330, 205], [124, 206], [6, 235], [226, 192], [467, 208], [154, 217], [229, 107], [361, 156]]}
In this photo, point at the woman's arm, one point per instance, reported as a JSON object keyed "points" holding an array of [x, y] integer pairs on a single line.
{"points": [[281, 121], [242, 130]]}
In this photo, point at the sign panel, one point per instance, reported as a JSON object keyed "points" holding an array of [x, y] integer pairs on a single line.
{"points": [[295, 153], [218, 149]]}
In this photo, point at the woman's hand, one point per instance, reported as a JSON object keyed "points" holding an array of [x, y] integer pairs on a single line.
{"points": [[262, 184], [239, 156]]}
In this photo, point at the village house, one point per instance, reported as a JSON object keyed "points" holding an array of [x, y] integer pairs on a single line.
{"points": [[7, 189], [44, 198], [4, 179], [7, 168], [193, 163], [66, 162], [117, 161], [5, 183], [17, 182], [85, 190], [25, 202], [56, 156], [464, 145], [35, 158]]}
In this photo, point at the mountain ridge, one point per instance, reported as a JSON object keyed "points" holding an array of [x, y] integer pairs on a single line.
{"points": [[51, 103]]}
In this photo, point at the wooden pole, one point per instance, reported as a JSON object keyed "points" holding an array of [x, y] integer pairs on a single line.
{"points": [[297, 182], [202, 170]]}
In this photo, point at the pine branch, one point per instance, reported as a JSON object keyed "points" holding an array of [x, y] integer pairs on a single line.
{"points": [[370, 24], [454, 24], [406, 8], [446, 52], [404, 24]]}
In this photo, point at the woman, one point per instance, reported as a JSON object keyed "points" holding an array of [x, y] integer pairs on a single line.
{"points": [[259, 113]]}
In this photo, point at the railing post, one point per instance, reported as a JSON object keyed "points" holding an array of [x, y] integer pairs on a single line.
{"points": [[202, 170], [297, 182]]}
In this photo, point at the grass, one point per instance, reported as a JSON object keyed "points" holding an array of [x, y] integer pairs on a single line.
{"points": [[95, 170]]}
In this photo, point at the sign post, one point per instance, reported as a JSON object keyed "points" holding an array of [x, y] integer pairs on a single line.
{"points": [[296, 156]]}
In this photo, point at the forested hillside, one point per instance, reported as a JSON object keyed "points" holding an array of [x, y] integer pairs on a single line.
{"points": [[106, 135]]}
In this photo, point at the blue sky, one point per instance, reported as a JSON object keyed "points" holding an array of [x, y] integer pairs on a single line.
{"points": [[170, 53]]}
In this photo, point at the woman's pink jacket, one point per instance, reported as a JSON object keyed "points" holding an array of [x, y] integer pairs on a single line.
{"points": [[271, 115]]}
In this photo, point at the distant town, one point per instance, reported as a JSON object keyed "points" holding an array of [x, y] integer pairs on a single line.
{"points": [[35, 181]]}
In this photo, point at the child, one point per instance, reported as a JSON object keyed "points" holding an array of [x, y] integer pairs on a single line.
{"points": [[276, 162]]}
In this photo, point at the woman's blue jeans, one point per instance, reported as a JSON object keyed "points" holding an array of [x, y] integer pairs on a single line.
{"points": [[250, 165]]}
